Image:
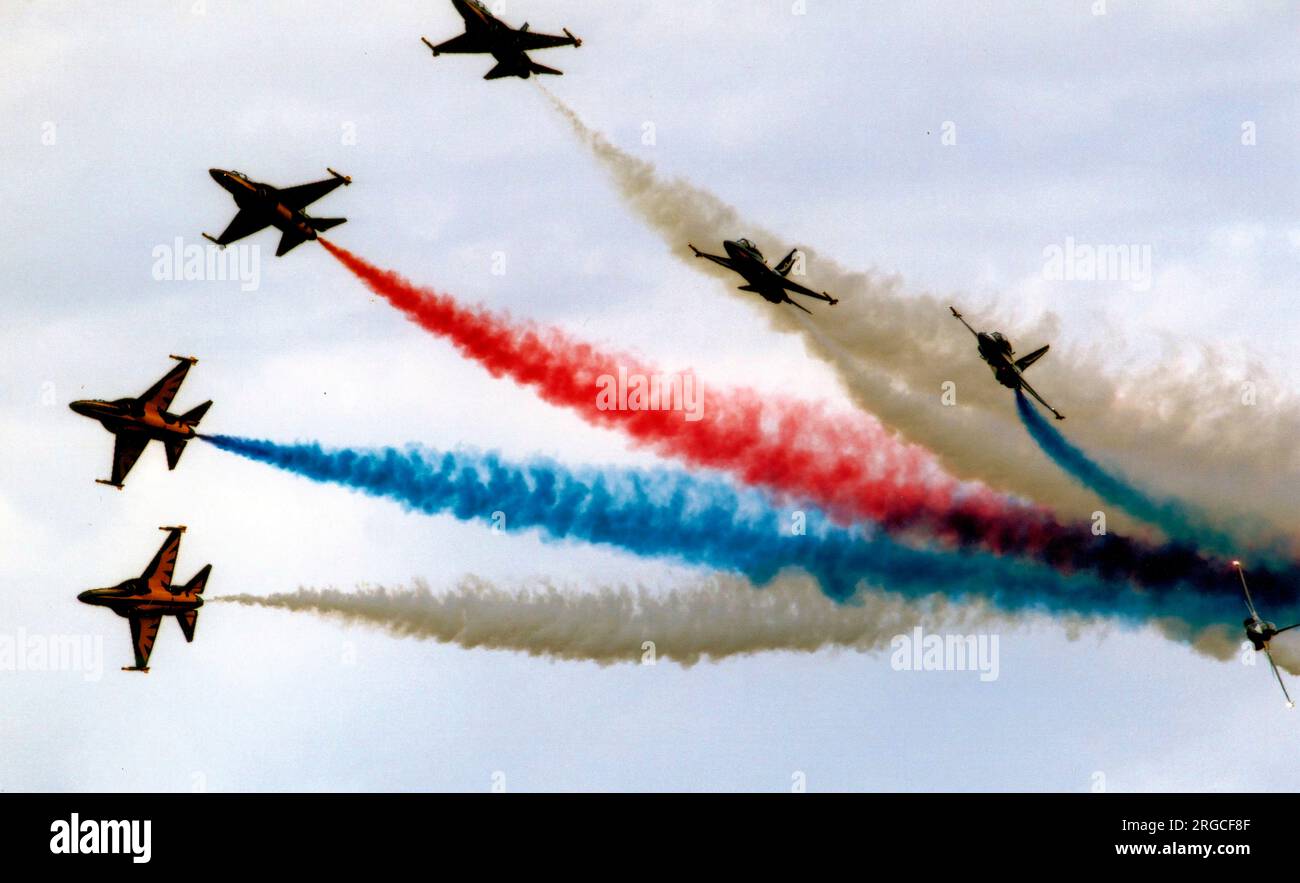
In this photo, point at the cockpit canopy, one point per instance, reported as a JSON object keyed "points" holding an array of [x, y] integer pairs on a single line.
{"points": [[749, 246]]}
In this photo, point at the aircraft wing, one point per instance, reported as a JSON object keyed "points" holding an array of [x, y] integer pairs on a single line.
{"points": [[126, 450], [160, 395], [468, 43], [1029, 389], [245, 223], [1277, 674], [158, 574], [305, 194], [1250, 602], [717, 259], [144, 629], [962, 319], [529, 40], [791, 285]]}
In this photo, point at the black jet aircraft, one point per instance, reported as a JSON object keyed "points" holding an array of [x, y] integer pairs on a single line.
{"points": [[485, 33], [771, 283], [996, 350], [145, 600], [136, 421], [262, 206], [1259, 632]]}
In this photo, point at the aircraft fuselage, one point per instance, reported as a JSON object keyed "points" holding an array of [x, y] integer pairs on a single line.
{"points": [[996, 351], [132, 416], [763, 279], [133, 598], [1259, 632], [264, 200]]}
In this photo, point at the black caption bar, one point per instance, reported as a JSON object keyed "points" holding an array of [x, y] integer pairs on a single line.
{"points": [[146, 831]]}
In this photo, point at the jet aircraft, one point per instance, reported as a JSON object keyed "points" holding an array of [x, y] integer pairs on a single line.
{"points": [[136, 421], [1259, 632], [485, 33], [145, 600], [996, 350], [262, 206], [771, 283]]}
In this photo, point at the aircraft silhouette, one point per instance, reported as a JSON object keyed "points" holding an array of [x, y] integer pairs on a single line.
{"points": [[485, 33]]}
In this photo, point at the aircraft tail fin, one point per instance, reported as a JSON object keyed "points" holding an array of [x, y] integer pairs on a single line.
{"points": [[787, 263], [199, 582], [188, 620], [323, 224], [1025, 361], [192, 417]]}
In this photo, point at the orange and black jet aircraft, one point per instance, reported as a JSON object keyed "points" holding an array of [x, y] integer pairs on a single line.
{"points": [[145, 600], [485, 33], [262, 206], [136, 421]]}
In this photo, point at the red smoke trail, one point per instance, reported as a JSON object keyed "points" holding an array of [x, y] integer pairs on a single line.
{"points": [[845, 463]]}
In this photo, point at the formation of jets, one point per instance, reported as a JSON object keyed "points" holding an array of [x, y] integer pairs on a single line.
{"points": [[770, 283], [485, 34], [1009, 371], [146, 599]]}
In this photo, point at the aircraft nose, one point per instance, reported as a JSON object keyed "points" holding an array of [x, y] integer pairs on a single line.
{"points": [[88, 596], [81, 408], [218, 175]]}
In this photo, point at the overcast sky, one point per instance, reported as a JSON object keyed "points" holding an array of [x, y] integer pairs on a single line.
{"points": [[1125, 127]]}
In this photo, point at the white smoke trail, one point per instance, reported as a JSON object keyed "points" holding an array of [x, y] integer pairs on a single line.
{"points": [[1187, 426], [720, 618]]}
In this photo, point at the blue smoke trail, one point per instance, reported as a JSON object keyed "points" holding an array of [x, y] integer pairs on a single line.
{"points": [[1178, 520], [708, 522]]}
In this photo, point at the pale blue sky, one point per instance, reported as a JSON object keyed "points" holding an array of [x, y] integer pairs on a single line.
{"points": [[1117, 128]]}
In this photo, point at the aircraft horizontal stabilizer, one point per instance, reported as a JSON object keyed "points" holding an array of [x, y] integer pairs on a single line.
{"points": [[1025, 361], [543, 69], [188, 620], [175, 448], [321, 224], [288, 242]]}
